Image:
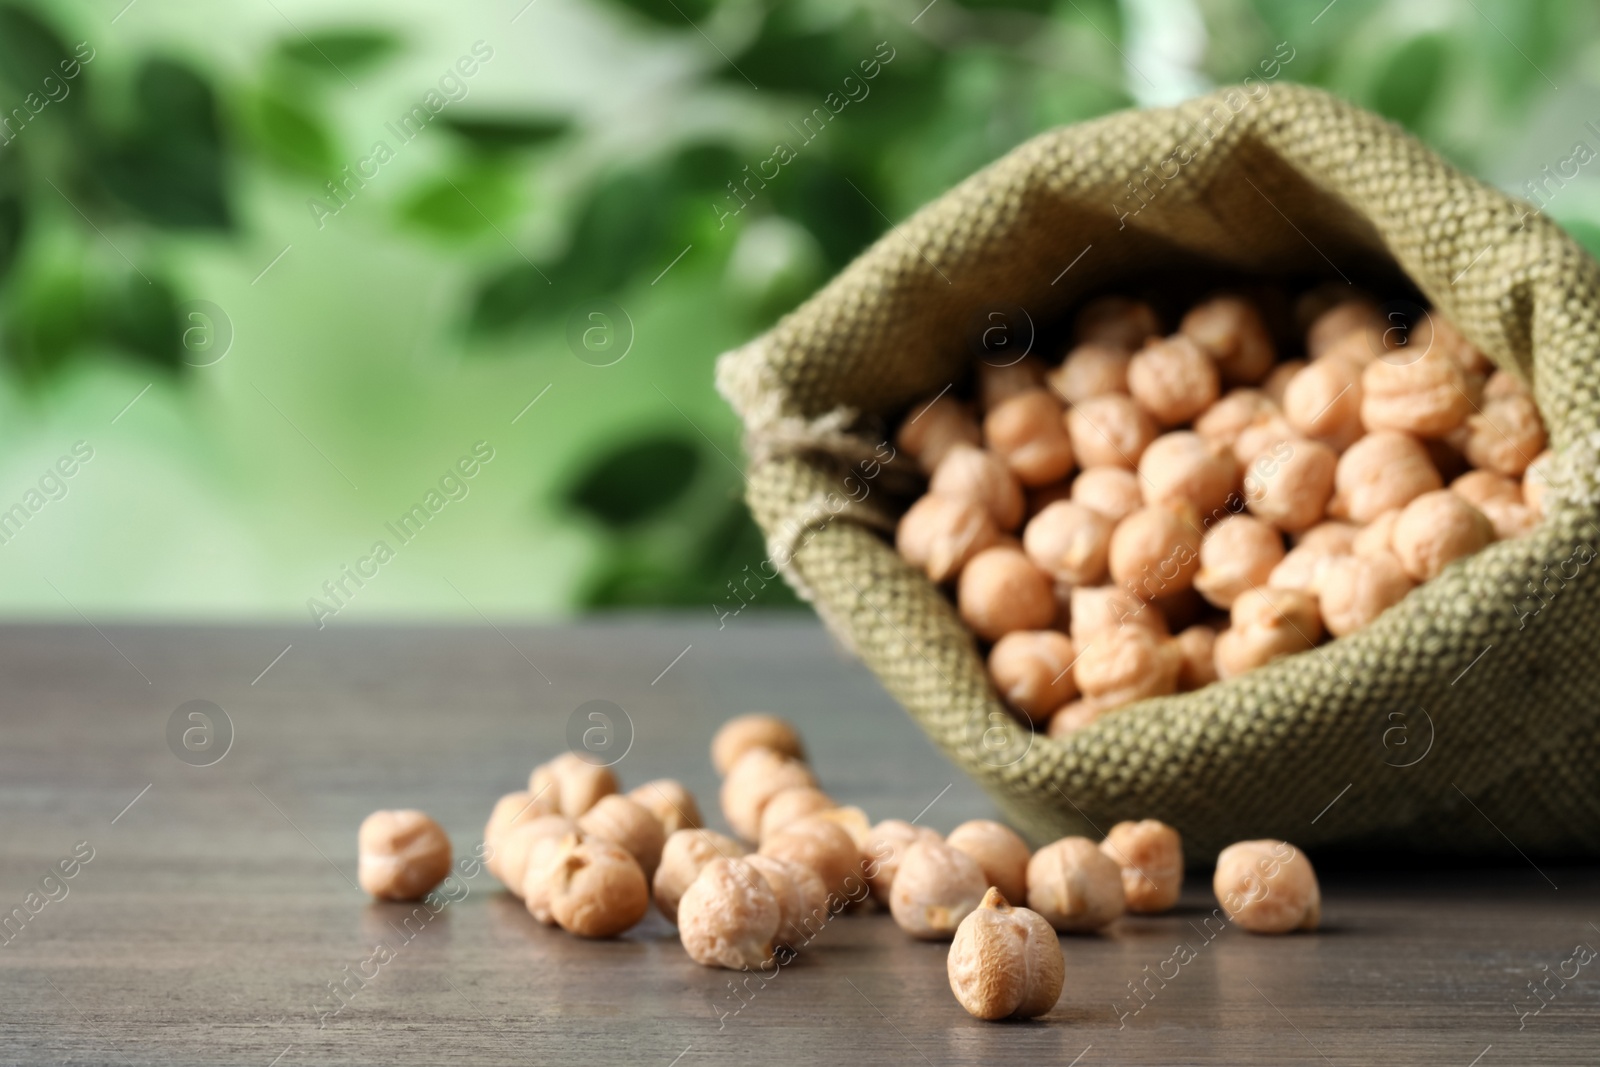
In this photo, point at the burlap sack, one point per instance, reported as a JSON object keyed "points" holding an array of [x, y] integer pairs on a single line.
{"points": [[1463, 721]]}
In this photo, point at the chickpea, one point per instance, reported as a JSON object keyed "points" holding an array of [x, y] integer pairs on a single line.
{"points": [[1427, 397], [1276, 384], [1436, 529], [998, 383], [509, 860], [752, 782], [1290, 486], [1333, 537], [509, 812], [1156, 550], [1434, 331], [1238, 410], [1237, 554], [941, 534], [825, 847], [1268, 887], [1323, 402], [1109, 431], [543, 853], [1536, 481], [1500, 500], [1376, 538], [802, 900], [1074, 717], [1075, 886], [1105, 609], [1504, 436], [968, 473], [1090, 370], [1183, 468], [1502, 385], [685, 853], [1150, 855], [628, 825], [792, 805], [1030, 668], [1112, 491], [729, 916], [937, 886], [1131, 663], [1267, 623], [673, 805], [1232, 333], [1118, 321], [1386, 469], [1005, 962], [1197, 660], [574, 782], [886, 846], [999, 852], [1026, 430], [932, 429], [1001, 590], [1302, 569], [590, 887], [401, 855], [1358, 316], [756, 730], [1357, 589], [1069, 542], [1173, 380], [1261, 445], [852, 820]]}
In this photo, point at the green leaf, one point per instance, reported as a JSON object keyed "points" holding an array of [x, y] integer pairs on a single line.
{"points": [[339, 53], [635, 481], [464, 204], [507, 297], [30, 52], [505, 134], [48, 319], [1410, 80], [672, 13], [141, 317], [13, 225], [170, 167], [291, 136]]}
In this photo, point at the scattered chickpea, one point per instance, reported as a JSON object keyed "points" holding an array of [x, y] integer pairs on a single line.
{"points": [[509, 860], [885, 848], [758, 776], [1116, 320], [825, 847], [1268, 887], [1386, 469], [729, 916], [1150, 854], [589, 887], [1074, 716], [968, 473], [937, 886], [1131, 663], [1027, 431], [1267, 623], [1238, 410], [574, 783], [1112, 491], [1503, 436], [1005, 962], [1074, 886], [1237, 554], [1359, 316], [802, 900], [1426, 396], [685, 853], [1231, 331], [1173, 380], [1068, 542], [509, 812], [1001, 590], [792, 805], [941, 534], [1290, 487], [1091, 369], [1323, 402], [1000, 853], [1276, 384], [1184, 468], [1197, 658], [629, 825], [1109, 431], [756, 730], [1436, 529], [932, 429], [999, 382], [670, 802], [401, 855], [1104, 609], [1030, 668], [1355, 590]]}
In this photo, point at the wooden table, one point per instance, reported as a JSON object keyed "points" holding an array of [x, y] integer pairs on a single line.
{"points": [[218, 904]]}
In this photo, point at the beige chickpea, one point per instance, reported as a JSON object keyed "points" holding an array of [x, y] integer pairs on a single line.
{"points": [[1238, 410], [1276, 384], [1197, 660], [1323, 402], [1436, 529], [792, 805], [1091, 369], [941, 534], [1333, 537], [1268, 887], [1070, 718], [1156, 550], [401, 854], [755, 730], [674, 807], [1109, 431], [1265, 624], [1232, 333], [968, 473], [574, 782], [802, 900], [1357, 316], [1434, 331], [1116, 320], [1005, 962], [851, 819], [1501, 385], [589, 887], [1184, 468], [825, 847], [509, 812], [886, 846], [1173, 380], [758, 776], [729, 916], [1237, 554], [1500, 499], [509, 860], [1386, 469], [1376, 538], [937, 886], [537, 882], [1121, 666], [1426, 396], [1503, 436], [1150, 854], [628, 824], [1001, 590], [1536, 481], [1032, 671], [999, 851], [1075, 886], [1112, 491], [1026, 430], [1069, 542], [1107, 608], [684, 854], [1259, 445], [1000, 381], [1290, 484], [1302, 569], [1357, 589], [932, 428]]}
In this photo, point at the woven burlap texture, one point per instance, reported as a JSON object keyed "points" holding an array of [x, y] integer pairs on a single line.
{"points": [[1463, 721]]}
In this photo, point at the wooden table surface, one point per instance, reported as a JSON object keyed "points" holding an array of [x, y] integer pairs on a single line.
{"points": [[218, 903]]}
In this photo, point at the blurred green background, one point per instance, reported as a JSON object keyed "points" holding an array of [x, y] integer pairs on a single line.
{"points": [[271, 370]]}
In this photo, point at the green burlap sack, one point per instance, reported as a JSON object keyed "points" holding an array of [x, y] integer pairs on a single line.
{"points": [[1463, 721]]}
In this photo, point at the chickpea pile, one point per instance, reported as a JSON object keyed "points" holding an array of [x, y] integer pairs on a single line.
{"points": [[1160, 512], [587, 858]]}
